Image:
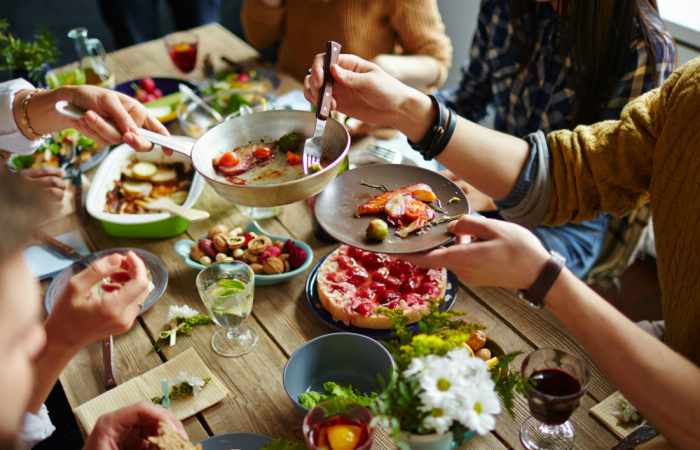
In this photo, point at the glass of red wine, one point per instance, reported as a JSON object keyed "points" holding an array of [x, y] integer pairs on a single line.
{"points": [[336, 421], [558, 381], [182, 48]]}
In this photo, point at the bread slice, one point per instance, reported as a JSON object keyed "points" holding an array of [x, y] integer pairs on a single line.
{"points": [[169, 439]]}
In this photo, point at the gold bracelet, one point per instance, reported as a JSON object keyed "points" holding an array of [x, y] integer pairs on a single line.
{"points": [[25, 116]]}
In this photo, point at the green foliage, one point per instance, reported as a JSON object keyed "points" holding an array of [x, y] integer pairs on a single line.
{"points": [[508, 382], [333, 390], [178, 391], [183, 327], [284, 444], [16, 54]]}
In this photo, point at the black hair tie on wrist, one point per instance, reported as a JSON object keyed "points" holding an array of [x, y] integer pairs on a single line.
{"points": [[439, 135]]}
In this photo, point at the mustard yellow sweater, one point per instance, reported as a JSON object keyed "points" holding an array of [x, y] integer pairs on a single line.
{"points": [[366, 28], [651, 154]]}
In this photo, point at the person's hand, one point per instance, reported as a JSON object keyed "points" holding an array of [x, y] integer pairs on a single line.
{"points": [[85, 313], [477, 199], [489, 252], [50, 180], [128, 428], [111, 117], [364, 91]]}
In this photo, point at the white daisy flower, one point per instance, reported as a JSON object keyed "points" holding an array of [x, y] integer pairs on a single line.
{"points": [[479, 414], [438, 421], [181, 312], [197, 383]]}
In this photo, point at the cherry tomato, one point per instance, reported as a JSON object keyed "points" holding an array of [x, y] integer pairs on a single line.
{"points": [[293, 159], [148, 84], [141, 95], [262, 153], [157, 93], [243, 77], [229, 159]]}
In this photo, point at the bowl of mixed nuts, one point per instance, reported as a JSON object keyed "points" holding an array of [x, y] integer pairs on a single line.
{"points": [[274, 259]]}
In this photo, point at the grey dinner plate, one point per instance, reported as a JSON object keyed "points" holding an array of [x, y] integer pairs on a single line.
{"points": [[240, 441], [159, 276], [335, 207]]}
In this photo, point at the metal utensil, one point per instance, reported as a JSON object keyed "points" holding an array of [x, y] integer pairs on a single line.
{"points": [[110, 375], [57, 246], [262, 125], [643, 433], [313, 146], [200, 101]]}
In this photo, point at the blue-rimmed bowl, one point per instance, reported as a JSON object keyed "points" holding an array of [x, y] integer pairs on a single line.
{"points": [[156, 268], [183, 247], [345, 358]]}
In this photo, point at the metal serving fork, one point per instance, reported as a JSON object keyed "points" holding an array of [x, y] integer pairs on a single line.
{"points": [[312, 147]]}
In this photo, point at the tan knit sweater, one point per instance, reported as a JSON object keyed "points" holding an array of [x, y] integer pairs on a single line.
{"points": [[651, 153], [366, 28]]}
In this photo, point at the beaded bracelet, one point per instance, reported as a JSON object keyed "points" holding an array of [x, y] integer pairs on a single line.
{"points": [[25, 116]]}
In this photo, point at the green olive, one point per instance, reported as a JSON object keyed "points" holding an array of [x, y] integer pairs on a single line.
{"points": [[377, 230]]}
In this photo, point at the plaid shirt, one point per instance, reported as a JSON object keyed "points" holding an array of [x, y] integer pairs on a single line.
{"points": [[540, 98]]}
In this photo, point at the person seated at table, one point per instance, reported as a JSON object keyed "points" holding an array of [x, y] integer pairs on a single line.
{"points": [[535, 65], [371, 29], [35, 353], [649, 154], [27, 114]]}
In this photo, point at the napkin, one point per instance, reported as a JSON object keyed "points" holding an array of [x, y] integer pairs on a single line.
{"points": [[604, 410], [148, 385], [45, 263]]}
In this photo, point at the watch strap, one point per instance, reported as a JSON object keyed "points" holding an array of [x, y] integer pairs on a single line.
{"points": [[536, 293]]}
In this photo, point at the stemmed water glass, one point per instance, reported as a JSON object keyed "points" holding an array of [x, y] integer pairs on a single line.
{"points": [[227, 291], [558, 382]]}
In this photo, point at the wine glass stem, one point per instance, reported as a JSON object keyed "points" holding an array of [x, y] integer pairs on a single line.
{"points": [[233, 333]]}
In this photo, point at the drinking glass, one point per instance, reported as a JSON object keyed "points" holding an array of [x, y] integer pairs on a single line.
{"points": [[559, 380], [182, 48], [227, 291], [332, 413]]}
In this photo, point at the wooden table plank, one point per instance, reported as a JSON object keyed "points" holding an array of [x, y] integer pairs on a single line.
{"points": [[543, 330]]}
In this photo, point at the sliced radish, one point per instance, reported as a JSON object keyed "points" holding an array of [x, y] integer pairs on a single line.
{"points": [[140, 189], [164, 176], [144, 170]]}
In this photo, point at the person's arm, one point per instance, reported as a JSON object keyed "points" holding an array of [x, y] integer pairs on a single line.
{"points": [[427, 51], [263, 21], [664, 385], [80, 318]]}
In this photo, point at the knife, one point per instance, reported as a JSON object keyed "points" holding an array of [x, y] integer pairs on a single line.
{"points": [[642, 434], [57, 246], [108, 363]]}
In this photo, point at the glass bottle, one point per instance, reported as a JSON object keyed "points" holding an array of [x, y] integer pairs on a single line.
{"points": [[92, 57]]}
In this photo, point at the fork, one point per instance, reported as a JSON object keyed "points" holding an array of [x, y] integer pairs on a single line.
{"points": [[312, 146]]}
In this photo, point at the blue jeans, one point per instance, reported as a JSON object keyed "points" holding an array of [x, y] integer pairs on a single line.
{"points": [[580, 243]]}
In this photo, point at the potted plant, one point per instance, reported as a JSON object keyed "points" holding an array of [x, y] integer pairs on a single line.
{"points": [[27, 59], [442, 393]]}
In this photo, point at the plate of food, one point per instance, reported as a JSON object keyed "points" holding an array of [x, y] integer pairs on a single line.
{"points": [[157, 275], [348, 289], [56, 150], [274, 259], [239, 441], [391, 208], [127, 179], [161, 95]]}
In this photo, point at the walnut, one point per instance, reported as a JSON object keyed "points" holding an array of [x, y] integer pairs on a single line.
{"points": [[196, 253], [476, 340], [257, 268], [273, 265], [259, 244], [249, 257], [217, 229], [220, 242]]}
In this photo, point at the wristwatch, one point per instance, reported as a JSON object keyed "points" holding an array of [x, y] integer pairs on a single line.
{"points": [[535, 294]]}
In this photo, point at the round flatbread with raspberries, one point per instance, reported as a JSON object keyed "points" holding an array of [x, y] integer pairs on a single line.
{"points": [[353, 283]]}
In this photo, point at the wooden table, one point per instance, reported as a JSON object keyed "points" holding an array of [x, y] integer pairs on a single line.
{"points": [[258, 402]]}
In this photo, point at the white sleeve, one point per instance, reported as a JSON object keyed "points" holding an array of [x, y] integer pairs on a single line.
{"points": [[36, 428], [11, 139]]}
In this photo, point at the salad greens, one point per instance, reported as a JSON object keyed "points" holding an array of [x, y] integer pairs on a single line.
{"points": [[333, 390], [183, 326], [284, 444], [58, 146], [291, 142]]}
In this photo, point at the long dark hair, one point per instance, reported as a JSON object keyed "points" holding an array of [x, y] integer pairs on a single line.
{"points": [[598, 35]]}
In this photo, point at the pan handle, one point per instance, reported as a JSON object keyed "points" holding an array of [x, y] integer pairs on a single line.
{"points": [[180, 144]]}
